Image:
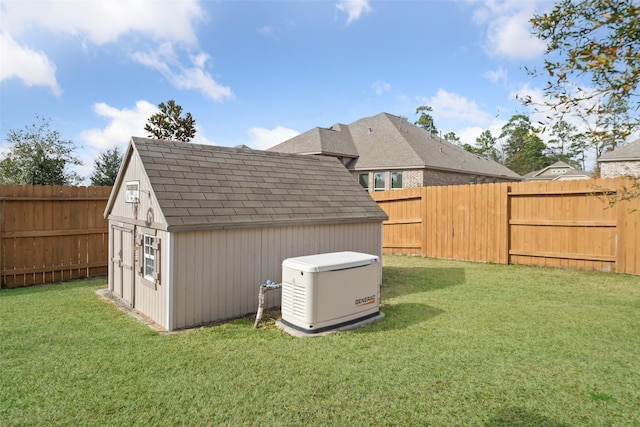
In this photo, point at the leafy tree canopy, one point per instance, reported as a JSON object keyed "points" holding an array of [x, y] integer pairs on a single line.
{"points": [[523, 149], [567, 144], [105, 167], [170, 124], [485, 146], [452, 137], [593, 65], [425, 121], [38, 156]]}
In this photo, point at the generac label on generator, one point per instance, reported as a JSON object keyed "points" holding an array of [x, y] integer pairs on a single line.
{"points": [[371, 299]]}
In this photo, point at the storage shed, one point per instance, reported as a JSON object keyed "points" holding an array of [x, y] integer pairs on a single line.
{"points": [[194, 229]]}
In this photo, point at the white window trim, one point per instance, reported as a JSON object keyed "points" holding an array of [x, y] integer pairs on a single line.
{"points": [[146, 256]]}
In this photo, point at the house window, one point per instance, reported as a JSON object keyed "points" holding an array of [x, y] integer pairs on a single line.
{"points": [[378, 181], [363, 178], [396, 180], [149, 257]]}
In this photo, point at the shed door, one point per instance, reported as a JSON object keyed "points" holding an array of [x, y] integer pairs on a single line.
{"points": [[123, 284]]}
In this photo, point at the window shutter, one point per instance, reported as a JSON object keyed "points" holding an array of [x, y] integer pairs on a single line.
{"points": [[158, 257], [140, 254]]}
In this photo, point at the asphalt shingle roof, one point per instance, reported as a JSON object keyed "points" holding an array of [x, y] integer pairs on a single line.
{"points": [[385, 141], [204, 186], [628, 152]]}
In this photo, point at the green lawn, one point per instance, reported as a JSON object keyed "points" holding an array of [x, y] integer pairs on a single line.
{"points": [[461, 344]]}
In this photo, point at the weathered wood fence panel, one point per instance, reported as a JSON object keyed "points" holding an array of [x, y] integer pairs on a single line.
{"points": [[52, 233], [566, 224]]}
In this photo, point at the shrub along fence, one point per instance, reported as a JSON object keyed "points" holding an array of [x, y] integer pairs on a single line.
{"points": [[567, 224], [52, 233]]}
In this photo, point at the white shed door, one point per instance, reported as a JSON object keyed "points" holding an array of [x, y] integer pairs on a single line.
{"points": [[123, 283]]}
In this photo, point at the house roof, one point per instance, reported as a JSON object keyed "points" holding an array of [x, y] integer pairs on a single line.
{"points": [[545, 174], [385, 141], [627, 152], [334, 141], [205, 186]]}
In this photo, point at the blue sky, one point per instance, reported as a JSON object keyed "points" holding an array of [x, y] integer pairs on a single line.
{"points": [[260, 72]]}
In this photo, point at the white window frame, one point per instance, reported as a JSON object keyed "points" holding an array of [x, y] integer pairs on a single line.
{"points": [[148, 254], [375, 181]]}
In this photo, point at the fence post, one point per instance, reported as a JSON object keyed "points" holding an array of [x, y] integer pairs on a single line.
{"points": [[507, 218], [423, 220], [2, 242]]}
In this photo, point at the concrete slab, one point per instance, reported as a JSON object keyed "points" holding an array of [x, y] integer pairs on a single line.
{"points": [[302, 334]]}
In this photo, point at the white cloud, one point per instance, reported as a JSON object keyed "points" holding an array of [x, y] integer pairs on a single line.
{"points": [[106, 21], [496, 76], [261, 138], [508, 29], [468, 135], [380, 87], [453, 106], [101, 22], [123, 124], [353, 8], [33, 68], [167, 62], [266, 31]]}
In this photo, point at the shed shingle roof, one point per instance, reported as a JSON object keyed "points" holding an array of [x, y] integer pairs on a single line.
{"points": [[204, 186]]}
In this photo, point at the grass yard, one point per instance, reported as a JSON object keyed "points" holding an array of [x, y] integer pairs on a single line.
{"points": [[461, 344]]}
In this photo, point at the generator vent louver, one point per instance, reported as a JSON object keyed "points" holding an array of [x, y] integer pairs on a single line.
{"points": [[293, 298]]}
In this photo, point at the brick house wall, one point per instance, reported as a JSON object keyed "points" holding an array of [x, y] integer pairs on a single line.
{"points": [[622, 168], [429, 177]]}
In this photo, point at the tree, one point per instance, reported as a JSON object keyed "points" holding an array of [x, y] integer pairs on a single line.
{"points": [[38, 156], [524, 151], [106, 167], [425, 121], [593, 65], [452, 137], [169, 123], [485, 146], [567, 144]]}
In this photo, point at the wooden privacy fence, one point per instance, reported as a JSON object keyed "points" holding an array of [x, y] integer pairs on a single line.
{"points": [[566, 224], [52, 233]]}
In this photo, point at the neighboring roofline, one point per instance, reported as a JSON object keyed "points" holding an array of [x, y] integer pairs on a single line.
{"points": [[556, 165], [620, 159]]}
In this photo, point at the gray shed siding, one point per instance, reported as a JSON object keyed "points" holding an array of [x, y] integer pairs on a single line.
{"points": [[216, 274], [148, 203], [147, 300]]}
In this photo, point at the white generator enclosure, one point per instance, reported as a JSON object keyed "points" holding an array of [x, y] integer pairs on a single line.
{"points": [[326, 291]]}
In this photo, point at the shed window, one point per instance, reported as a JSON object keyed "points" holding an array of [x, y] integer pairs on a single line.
{"points": [[378, 181], [363, 178], [396, 179], [149, 257]]}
